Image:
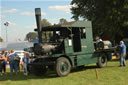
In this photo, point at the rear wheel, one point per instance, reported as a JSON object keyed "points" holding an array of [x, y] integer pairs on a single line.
{"points": [[102, 60], [63, 67]]}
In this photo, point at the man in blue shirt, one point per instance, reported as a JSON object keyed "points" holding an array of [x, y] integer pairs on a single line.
{"points": [[122, 53], [36, 41], [13, 62]]}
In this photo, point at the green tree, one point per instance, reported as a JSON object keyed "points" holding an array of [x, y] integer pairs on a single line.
{"points": [[109, 17], [62, 20], [44, 23], [31, 36], [1, 40]]}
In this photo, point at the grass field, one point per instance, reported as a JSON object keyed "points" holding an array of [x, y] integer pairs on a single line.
{"points": [[110, 75]]}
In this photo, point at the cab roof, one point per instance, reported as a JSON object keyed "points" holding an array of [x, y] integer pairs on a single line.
{"points": [[73, 24]]}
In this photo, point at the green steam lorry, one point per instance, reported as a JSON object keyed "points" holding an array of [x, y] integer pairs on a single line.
{"points": [[65, 46]]}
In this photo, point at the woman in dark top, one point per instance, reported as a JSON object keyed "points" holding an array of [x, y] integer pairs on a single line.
{"points": [[2, 62]]}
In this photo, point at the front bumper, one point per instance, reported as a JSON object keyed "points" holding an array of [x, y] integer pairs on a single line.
{"points": [[42, 63]]}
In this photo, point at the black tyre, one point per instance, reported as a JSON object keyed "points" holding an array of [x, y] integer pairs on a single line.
{"points": [[38, 70], [102, 60], [63, 67]]}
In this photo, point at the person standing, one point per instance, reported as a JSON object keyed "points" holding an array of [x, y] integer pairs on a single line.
{"points": [[36, 41], [122, 53], [24, 59], [18, 61], [1, 64], [3, 54], [13, 63]]}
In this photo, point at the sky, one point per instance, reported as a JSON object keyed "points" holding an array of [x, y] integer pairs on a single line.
{"points": [[21, 17]]}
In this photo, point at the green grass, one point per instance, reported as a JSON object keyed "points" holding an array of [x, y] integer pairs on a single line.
{"points": [[110, 75]]}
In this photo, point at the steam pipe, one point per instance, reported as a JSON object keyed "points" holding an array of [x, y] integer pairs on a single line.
{"points": [[38, 22]]}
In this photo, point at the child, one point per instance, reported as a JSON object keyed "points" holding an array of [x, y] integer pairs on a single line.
{"points": [[24, 59]]}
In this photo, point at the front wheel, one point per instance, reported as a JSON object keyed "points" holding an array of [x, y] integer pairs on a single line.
{"points": [[63, 67], [102, 60]]}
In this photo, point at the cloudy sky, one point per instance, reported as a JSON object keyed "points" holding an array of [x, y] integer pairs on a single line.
{"points": [[20, 15]]}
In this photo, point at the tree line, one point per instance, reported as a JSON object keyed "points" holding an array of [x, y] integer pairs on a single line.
{"points": [[109, 17]]}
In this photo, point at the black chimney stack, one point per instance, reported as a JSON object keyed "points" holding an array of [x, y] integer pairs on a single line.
{"points": [[38, 22]]}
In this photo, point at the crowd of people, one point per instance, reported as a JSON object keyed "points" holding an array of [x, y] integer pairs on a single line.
{"points": [[13, 60]]}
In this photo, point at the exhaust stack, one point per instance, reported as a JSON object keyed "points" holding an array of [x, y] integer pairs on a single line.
{"points": [[38, 22]]}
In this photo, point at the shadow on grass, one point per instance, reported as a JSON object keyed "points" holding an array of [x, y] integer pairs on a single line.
{"points": [[21, 77], [83, 68], [114, 60], [118, 59]]}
